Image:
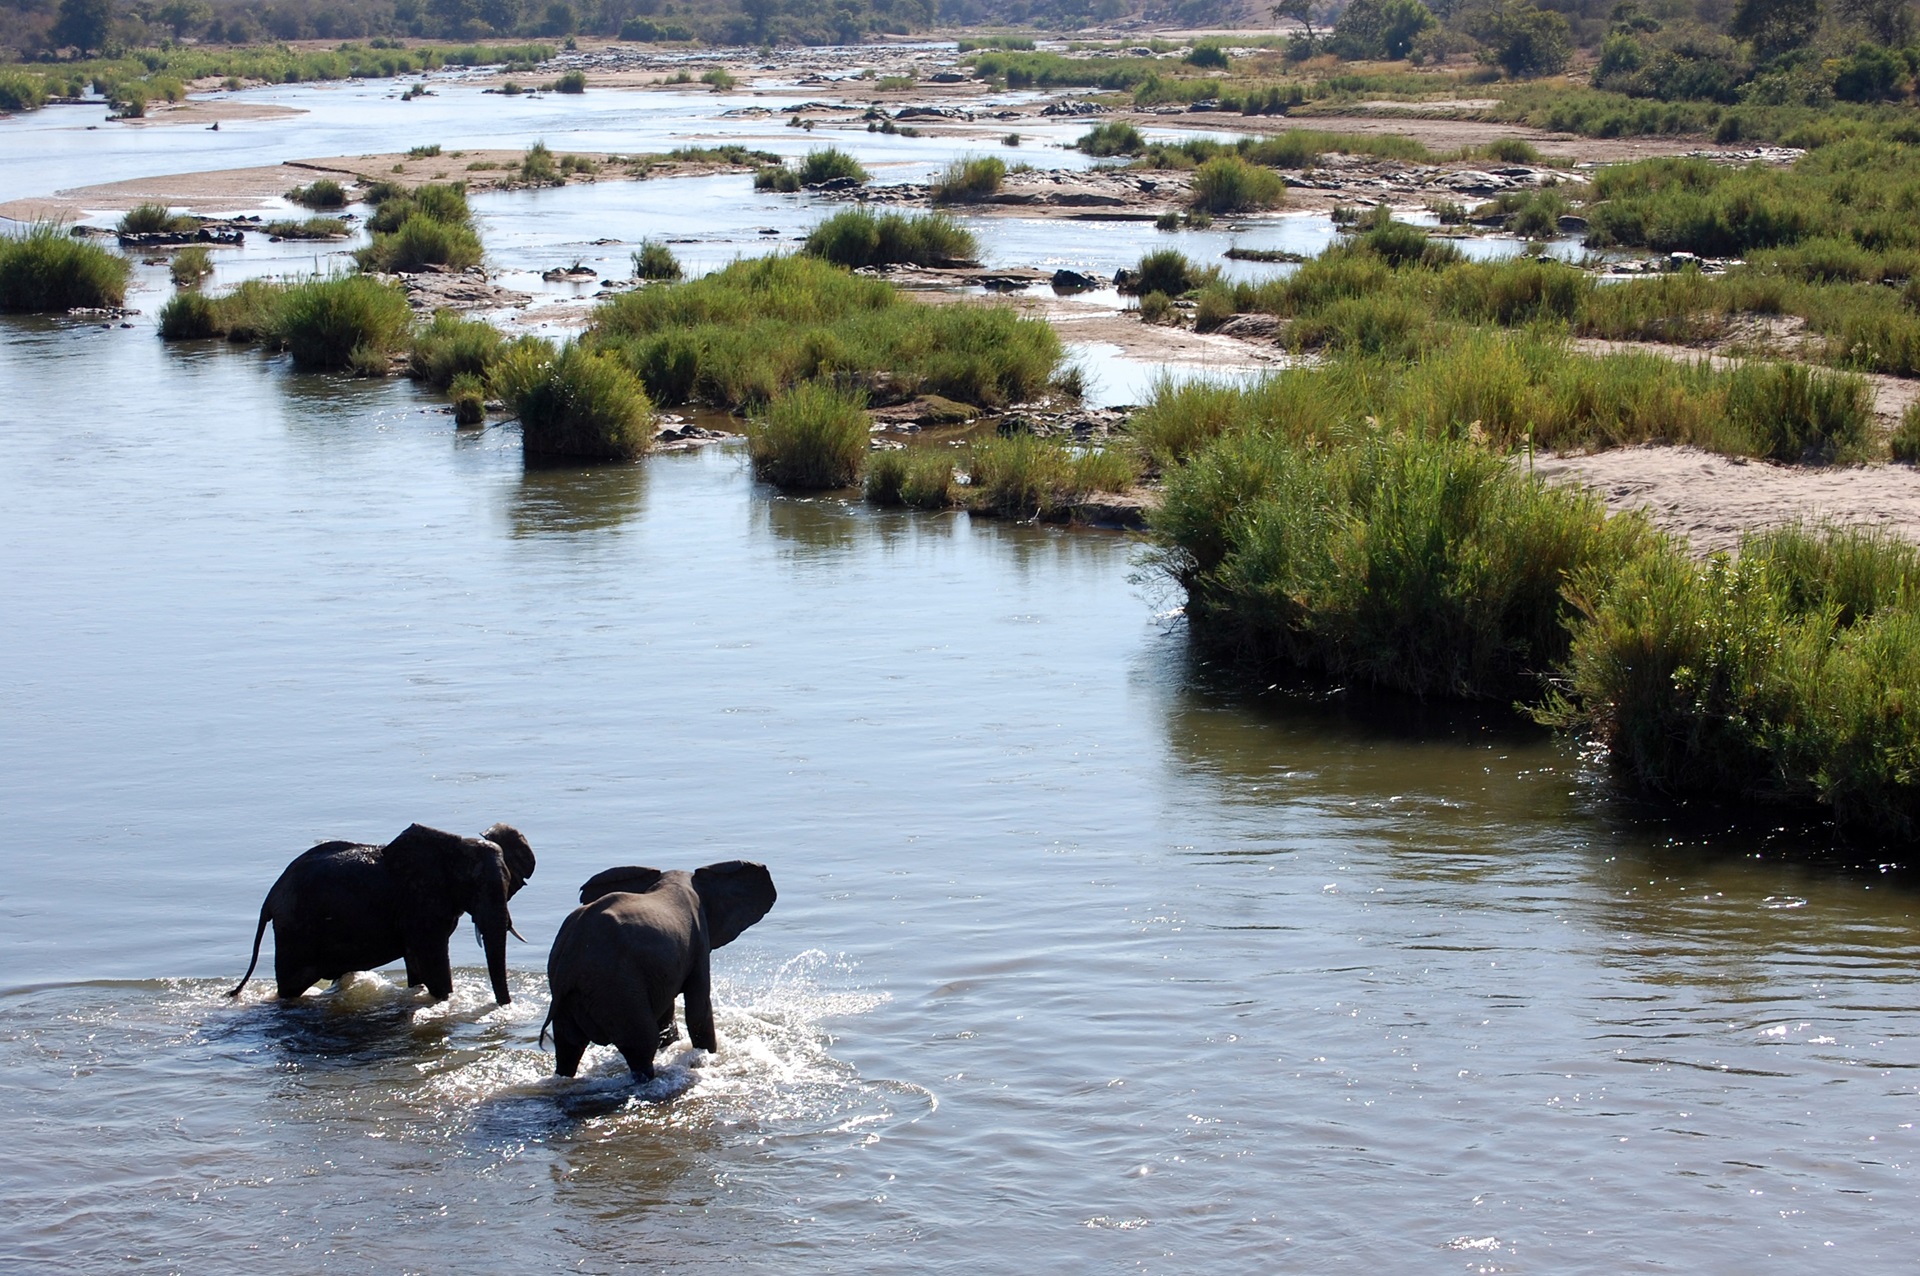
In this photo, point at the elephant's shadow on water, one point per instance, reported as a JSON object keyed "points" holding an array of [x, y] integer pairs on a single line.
{"points": [[320, 1033]]}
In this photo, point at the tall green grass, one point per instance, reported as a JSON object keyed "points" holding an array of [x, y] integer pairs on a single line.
{"points": [[449, 346], [1024, 476], [155, 219], [830, 164], [969, 180], [574, 404], [811, 437], [419, 242], [1228, 184], [1418, 565], [48, 271], [857, 237], [1784, 677], [349, 321], [322, 193], [919, 478], [738, 336]]}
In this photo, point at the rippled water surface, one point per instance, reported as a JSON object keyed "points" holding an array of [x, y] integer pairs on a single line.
{"points": [[1078, 965]]}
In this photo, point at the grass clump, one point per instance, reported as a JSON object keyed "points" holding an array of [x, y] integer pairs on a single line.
{"points": [[1167, 271], [394, 205], [738, 336], [1418, 565], [969, 179], [857, 237], [777, 178], [539, 168], [571, 82], [577, 404], [720, 78], [350, 321], [450, 346], [47, 271], [190, 266], [1115, 137], [1028, 477], [189, 315], [654, 260], [830, 164], [1904, 445], [155, 219], [1229, 184], [311, 228], [918, 478], [421, 241], [814, 436], [468, 394], [1783, 677], [322, 193]]}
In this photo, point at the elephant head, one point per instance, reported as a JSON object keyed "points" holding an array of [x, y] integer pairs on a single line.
{"points": [[733, 894], [472, 875]]}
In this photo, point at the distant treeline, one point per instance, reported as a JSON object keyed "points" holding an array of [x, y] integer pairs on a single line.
{"points": [[39, 28]]}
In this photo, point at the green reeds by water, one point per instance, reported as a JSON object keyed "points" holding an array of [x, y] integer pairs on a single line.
{"points": [[310, 228], [654, 260], [450, 346], [155, 219], [1783, 677], [1229, 184], [428, 226], [349, 321], [814, 436], [1023, 476], [190, 266], [830, 164], [47, 270], [969, 180], [1426, 566], [856, 237], [918, 478], [575, 404], [322, 193]]}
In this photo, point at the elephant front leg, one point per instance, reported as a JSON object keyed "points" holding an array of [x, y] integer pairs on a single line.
{"points": [[699, 995], [432, 968]]}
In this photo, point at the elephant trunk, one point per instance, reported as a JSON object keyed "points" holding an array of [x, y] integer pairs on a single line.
{"points": [[493, 927]]}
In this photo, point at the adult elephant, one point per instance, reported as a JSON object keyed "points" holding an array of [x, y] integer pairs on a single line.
{"points": [[639, 939], [347, 906]]}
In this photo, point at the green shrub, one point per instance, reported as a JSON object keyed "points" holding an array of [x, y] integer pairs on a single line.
{"points": [[720, 79], [537, 167], [919, 478], [424, 152], [857, 237], [22, 92], [969, 180], [321, 193], [189, 316], [156, 219], [48, 271], [1797, 414], [1167, 270], [655, 260], [450, 347], [1023, 476], [1229, 184], [421, 241], [326, 323], [1423, 566], [1783, 677], [394, 207], [1213, 307], [829, 165], [1905, 441], [468, 393], [190, 265], [577, 404], [571, 82], [1156, 307], [777, 178], [1115, 137], [311, 228], [812, 436]]}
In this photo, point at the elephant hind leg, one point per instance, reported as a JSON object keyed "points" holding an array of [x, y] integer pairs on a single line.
{"points": [[568, 1046], [639, 1057], [667, 1030]]}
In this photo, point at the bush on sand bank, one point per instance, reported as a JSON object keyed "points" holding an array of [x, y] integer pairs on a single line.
{"points": [[46, 271]]}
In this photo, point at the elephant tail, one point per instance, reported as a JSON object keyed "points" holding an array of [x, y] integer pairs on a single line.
{"points": [[266, 915], [546, 1024]]}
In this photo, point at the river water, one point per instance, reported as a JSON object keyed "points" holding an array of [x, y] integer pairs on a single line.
{"points": [[1079, 964]]}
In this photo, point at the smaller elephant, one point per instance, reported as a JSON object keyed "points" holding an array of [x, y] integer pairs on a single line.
{"points": [[639, 939], [345, 906]]}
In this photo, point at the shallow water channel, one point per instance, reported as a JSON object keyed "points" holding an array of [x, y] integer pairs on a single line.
{"points": [[1079, 964]]}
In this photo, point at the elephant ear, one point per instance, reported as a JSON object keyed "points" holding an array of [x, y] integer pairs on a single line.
{"points": [[631, 878], [735, 895], [514, 849], [420, 858]]}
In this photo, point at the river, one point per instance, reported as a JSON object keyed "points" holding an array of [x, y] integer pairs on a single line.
{"points": [[1079, 963]]}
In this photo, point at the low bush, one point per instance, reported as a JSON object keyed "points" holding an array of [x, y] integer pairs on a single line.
{"points": [[468, 394], [445, 203], [813, 436], [1904, 444], [830, 164], [969, 180], [1782, 677], [342, 322], [538, 167], [777, 178], [190, 316], [1229, 184], [857, 237], [1027, 477], [451, 346], [322, 193], [654, 260], [571, 82], [421, 241], [576, 404], [1115, 137], [311, 228], [48, 271], [1167, 270], [919, 478], [155, 219], [1156, 307], [720, 78], [1417, 565], [189, 266]]}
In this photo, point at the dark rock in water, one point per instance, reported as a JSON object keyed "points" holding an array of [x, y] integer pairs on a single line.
{"points": [[834, 184], [1074, 281], [946, 77], [1571, 224], [1249, 326], [1003, 283], [1088, 199], [1125, 279], [1073, 108], [932, 113]]}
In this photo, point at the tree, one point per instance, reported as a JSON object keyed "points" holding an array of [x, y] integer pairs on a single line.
{"points": [[1379, 28], [184, 16], [1775, 26], [1522, 39], [1890, 22], [1300, 11], [83, 25]]}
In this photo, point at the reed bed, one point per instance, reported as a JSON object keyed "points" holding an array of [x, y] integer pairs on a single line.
{"points": [[856, 237], [346, 322], [920, 478], [969, 179], [1027, 477], [450, 346], [574, 404], [812, 437]]}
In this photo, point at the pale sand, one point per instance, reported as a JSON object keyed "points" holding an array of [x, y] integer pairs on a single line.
{"points": [[205, 112]]}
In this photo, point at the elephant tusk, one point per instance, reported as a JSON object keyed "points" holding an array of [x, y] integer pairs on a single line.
{"points": [[516, 934]]}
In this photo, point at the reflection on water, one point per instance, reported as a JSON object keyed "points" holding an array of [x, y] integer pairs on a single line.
{"points": [[568, 499]]}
